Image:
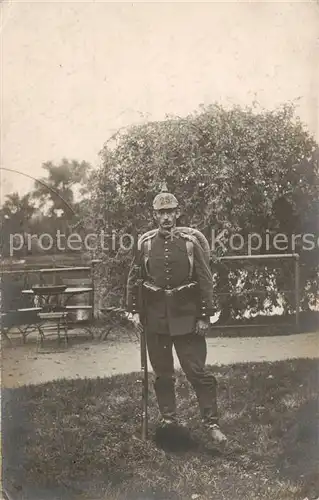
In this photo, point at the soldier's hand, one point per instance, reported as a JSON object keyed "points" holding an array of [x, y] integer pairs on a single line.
{"points": [[137, 322], [202, 327]]}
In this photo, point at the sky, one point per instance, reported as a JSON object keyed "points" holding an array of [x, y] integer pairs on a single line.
{"points": [[75, 72]]}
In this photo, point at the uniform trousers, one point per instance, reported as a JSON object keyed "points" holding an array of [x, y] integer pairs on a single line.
{"points": [[191, 350]]}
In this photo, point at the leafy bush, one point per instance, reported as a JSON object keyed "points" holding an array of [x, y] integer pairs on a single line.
{"points": [[239, 170]]}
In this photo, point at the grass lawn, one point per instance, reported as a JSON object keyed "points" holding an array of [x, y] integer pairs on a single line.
{"points": [[75, 439]]}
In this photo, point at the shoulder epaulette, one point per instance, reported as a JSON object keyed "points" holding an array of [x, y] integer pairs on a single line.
{"points": [[190, 241], [198, 239], [188, 236]]}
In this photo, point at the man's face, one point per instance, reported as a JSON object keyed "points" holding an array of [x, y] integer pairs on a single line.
{"points": [[166, 217]]}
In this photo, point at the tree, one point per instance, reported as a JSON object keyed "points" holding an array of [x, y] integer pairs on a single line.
{"points": [[69, 179], [15, 216], [236, 170], [58, 202], [63, 197]]}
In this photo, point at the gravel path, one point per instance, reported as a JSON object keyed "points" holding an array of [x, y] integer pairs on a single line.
{"points": [[23, 365]]}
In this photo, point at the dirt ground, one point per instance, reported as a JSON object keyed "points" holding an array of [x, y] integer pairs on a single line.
{"points": [[22, 364]]}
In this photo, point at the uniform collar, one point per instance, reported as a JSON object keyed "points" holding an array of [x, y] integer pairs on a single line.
{"points": [[167, 234]]}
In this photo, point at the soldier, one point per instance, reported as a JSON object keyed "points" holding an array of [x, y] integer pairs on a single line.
{"points": [[177, 295]]}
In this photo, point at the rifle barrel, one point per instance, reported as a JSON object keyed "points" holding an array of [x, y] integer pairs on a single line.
{"points": [[144, 369]]}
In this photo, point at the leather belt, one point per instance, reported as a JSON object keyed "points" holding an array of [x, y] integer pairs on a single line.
{"points": [[168, 291]]}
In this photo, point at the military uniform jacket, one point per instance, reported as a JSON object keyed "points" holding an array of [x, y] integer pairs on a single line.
{"points": [[167, 266]]}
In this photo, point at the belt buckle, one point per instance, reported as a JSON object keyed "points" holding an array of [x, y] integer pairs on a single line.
{"points": [[169, 291]]}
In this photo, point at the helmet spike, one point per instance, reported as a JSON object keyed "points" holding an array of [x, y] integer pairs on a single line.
{"points": [[164, 188]]}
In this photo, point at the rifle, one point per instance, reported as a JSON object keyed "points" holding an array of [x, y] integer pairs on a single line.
{"points": [[143, 344]]}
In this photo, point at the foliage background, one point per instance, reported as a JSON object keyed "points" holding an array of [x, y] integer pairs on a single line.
{"points": [[241, 169]]}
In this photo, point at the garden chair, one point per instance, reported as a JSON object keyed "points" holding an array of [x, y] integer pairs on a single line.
{"points": [[18, 313]]}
